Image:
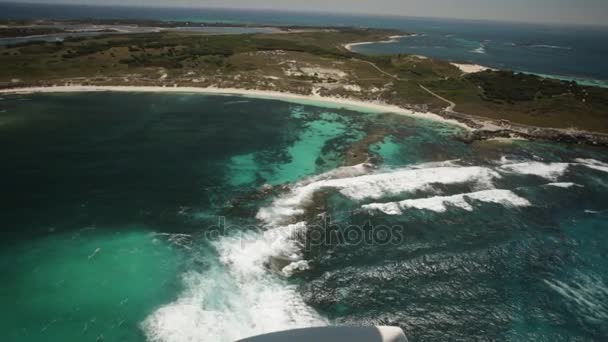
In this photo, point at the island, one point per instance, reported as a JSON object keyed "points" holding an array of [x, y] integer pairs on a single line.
{"points": [[300, 61]]}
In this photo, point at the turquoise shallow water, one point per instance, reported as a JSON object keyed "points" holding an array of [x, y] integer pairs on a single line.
{"points": [[86, 285], [302, 157], [134, 217]]}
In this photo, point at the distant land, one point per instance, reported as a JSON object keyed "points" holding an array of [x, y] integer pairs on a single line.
{"points": [[576, 52], [317, 61]]}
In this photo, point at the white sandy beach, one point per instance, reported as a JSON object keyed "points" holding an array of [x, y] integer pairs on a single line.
{"points": [[465, 68], [332, 102], [471, 68], [391, 39]]}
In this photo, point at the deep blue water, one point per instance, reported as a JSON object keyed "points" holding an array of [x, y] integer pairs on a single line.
{"points": [[570, 52], [562, 50]]}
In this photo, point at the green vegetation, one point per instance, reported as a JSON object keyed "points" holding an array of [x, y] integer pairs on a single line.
{"points": [[529, 99], [303, 61], [27, 31]]}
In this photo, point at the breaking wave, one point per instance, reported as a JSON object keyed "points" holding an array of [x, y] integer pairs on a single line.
{"points": [[441, 203], [238, 296], [564, 185], [593, 164], [545, 170], [551, 171], [372, 186], [480, 50], [216, 306], [545, 46]]}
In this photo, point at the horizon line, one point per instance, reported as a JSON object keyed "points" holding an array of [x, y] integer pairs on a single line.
{"points": [[312, 11]]}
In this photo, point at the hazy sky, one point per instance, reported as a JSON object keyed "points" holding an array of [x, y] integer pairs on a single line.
{"points": [[565, 11]]}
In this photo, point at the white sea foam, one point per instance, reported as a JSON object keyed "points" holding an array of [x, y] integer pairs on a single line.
{"points": [[216, 306], [359, 182], [238, 297], [480, 50], [441, 203], [341, 172], [593, 164], [545, 46], [355, 183], [564, 185], [546, 170], [373, 186], [504, 160], [453, 162], [390, 40], [592, 212], [550, 171], [296, 266], [247, 254]]}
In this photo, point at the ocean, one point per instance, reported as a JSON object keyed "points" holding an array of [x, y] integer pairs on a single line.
{"points": [[563, 51], [188, 217], [191, 217]]}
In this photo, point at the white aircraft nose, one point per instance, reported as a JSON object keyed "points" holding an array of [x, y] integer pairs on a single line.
{"points": [[333, 334]]}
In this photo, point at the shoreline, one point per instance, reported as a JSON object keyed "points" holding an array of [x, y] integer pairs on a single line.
{"points": [[470, 67], [466, 68], [315, 100], [477, 128], [391, 39], [587, 82]]}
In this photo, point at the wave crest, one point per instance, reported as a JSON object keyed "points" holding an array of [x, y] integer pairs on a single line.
{"points": [[441, 203]]}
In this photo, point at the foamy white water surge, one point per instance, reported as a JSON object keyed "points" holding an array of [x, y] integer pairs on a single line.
{"points": [[236, 297], [358, 183], [239, 297], [441, 203], [564, 185], [593, 164], [248, 253], [546, 170], [341, 172], [551, 171], [372, 186]]}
